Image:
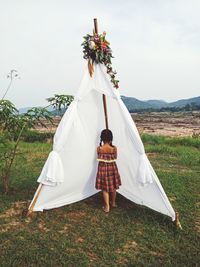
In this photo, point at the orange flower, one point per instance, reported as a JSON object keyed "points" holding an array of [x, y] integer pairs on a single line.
{"points": [[104, 45]]}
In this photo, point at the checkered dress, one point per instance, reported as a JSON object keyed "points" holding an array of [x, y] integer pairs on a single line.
{"points": [[108, 177]]}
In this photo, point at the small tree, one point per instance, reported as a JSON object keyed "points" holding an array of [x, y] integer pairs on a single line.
{"points": [[12, 126], [60, 102]]}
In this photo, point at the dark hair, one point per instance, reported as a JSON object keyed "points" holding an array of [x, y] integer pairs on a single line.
{"points": [[106, 137]]}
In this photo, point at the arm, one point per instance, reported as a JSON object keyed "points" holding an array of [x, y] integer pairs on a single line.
{"points": [[115, 150]]}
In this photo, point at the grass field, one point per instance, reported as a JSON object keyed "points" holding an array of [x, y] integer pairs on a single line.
{"points": [[80, 234]]}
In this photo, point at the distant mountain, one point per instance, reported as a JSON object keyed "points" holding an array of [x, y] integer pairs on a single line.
{"points": [[157, 103], [184, 102], [24, 110], [134, 104]]}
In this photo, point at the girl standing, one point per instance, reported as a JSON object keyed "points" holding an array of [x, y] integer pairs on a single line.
{"points": [[108, 177]]}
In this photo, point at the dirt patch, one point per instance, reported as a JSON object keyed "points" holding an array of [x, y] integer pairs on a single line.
{"points": [[157, 123], [156, 253], [13, 217], [42, 227], [79, 240], [15, 210], [76, 215], [94, 219], [152, 154], [172, 199], [65, 230], [130, 244], [139, 232], [197, 226], [93, 257], [168, 123]]}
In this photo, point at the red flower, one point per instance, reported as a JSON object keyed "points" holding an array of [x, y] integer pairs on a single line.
{"points": [[104, 46]]}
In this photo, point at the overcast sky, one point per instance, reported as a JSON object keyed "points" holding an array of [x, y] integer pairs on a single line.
{"points": [[156, 44]]}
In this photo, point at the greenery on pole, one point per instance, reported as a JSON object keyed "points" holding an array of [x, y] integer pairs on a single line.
{"points": [[97, 49]]}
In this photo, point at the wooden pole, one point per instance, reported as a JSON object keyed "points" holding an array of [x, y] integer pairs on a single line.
{"points": [[30, 209], [104, 97], [177, 221], [105, 111], [95, 26]]}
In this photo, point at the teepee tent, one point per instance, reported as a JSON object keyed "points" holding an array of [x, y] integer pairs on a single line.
{"points": [[70, 170]]}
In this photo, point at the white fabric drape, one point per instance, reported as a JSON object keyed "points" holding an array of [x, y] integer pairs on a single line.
{"points": [[70, 170]]}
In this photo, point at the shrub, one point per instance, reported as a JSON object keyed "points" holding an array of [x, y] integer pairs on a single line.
{"points": [[35, 136]]}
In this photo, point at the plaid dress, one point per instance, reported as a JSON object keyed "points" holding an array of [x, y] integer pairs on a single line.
{"points": [[108, 177]]}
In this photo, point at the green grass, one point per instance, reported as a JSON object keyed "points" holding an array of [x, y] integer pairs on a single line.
{"points": [[80, 234]]}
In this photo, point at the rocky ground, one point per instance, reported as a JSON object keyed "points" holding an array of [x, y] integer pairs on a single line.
{"points": [[168, 123], [160, 123]]}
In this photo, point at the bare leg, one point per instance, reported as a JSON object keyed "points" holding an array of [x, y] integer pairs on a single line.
{"points": [[106, 201], [114, 199]]}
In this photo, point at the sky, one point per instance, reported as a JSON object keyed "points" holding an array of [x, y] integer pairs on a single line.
{"points": [[156, 45]]}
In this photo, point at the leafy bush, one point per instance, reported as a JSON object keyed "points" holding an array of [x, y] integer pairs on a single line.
{"points": [[12, 127], [153, 139], [35, 136], [182, 141], [15, 127], [7, 150]]}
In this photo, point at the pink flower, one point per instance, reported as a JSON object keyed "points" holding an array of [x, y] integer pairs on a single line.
{"points": [[96, 38]]}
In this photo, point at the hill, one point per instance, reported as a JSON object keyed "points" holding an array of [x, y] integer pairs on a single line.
{"points": [[184, 102], [133, 104]]}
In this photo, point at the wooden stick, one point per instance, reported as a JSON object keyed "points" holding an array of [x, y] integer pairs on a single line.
{"points": [[90, 68], [30, 210], [95, 26], [104, 97], [105, 111], [177, 221]]}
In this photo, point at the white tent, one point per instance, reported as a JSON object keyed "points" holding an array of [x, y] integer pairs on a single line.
{"points": [[69, 173]]}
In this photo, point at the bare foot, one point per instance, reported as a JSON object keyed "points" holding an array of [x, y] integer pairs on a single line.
{"points": [[114, 205], [106, 209]]}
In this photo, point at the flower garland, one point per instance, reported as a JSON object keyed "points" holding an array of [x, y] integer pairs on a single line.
{"points": [[97, 49]]}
